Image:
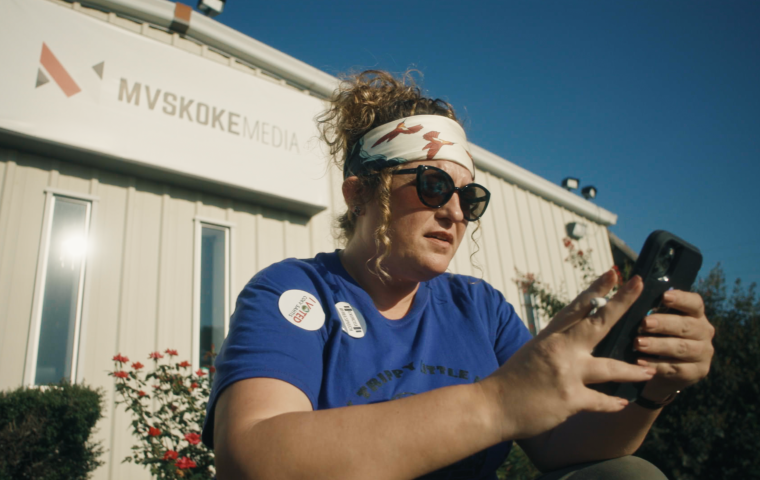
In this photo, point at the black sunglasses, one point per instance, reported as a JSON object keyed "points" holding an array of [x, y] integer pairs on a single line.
{"points": [[435, 188]]}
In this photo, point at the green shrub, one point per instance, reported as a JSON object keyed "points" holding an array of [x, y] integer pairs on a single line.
{"points": [[44, 433], [517, 466]]}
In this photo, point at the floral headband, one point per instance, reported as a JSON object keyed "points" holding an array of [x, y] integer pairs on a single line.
{"points": [[419, 137]]}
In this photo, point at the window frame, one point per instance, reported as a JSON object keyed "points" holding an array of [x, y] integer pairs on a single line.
{"points": [[85, 281], [229, 229]]}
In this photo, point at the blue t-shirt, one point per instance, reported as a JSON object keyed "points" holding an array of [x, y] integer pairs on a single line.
{"points": [[308, 323]]}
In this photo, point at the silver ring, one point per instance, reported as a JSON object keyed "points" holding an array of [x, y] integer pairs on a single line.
{"points": [[598, 302]]}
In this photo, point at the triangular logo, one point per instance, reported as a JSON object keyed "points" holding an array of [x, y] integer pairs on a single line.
{"points": [[99, 69], [41, 78], [59, 74]]}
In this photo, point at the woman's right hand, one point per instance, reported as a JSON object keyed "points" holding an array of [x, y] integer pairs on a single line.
{"points": [[545, 382]]}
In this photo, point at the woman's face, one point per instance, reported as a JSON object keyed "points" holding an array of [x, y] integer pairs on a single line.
{"points": [[423, 239]]}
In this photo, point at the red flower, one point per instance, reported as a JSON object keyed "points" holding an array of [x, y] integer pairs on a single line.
{"points": [[154, 432], [141, 393], [137, 365], [184, 463], [212, 369], [567, 242], [120, 374], [155, 355], [119, 358], [193, 438], [580, 253], [200, 373], [156, 386], [184, 364], [193, 385], [170, 455], [171, 353]]}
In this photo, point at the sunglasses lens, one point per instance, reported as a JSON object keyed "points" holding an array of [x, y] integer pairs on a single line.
{"points": [[435, 187], [474, 200]]}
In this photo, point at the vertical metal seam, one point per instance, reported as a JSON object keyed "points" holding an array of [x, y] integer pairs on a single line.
{"points": [[231, 280], [195, 311], [524, 246], [6, 198], [497, 249], [522, 230], [485, 248], [257, 243], [536, 315], [507, 277], [576, 282], [608, 245], [55, 173], [597, 255], [310, 228], [555, 280], [604, 248], [123, 291], [533, 230], [285, 224], [160, 267], [95, 182]]}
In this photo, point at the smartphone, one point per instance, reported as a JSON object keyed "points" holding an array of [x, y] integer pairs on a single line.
{"points": [[666, 263]]}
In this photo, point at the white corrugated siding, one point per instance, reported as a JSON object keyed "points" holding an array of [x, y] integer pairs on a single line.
{"points": [[139, 270]]}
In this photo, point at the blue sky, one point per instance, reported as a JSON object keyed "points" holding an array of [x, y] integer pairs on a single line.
{"points": [[657, 104]]}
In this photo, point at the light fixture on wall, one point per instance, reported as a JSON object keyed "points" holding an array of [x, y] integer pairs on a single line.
{"points": [[589, 192], [211, 8], [576, 230], [570, 183]]}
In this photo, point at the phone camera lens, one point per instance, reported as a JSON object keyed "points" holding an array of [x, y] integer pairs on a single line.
{"points": [[663, 262]]}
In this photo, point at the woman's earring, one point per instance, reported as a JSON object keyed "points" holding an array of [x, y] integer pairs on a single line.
{"points": [[357, 210]]}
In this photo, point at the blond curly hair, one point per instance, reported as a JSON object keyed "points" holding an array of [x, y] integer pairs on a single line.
{"points": [[362, 102]]}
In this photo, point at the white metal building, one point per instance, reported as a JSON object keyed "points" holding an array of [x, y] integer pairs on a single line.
{"points": [[153, 160]]}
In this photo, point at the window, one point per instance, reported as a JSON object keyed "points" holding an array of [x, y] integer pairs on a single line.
{"points": [[59, 292], [212, 287]]}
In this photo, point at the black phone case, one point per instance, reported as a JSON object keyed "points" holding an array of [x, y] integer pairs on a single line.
{"points": [[666, 262]]}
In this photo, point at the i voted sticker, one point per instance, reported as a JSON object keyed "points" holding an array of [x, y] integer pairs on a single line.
{"points": [[302, 309], [353, 321]]}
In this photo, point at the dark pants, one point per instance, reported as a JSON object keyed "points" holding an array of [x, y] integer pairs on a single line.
{"points": [[623, 468]]}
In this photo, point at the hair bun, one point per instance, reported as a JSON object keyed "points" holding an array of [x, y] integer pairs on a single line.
{"points": [[369, 99]]}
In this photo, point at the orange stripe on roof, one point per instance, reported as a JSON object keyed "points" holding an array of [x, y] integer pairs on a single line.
{"points": [[59, 74]]}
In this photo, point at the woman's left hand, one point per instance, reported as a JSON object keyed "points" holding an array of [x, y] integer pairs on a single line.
{"points": [[681, 346]]}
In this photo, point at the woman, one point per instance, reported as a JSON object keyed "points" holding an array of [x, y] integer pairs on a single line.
{"points": [[370, 362]]}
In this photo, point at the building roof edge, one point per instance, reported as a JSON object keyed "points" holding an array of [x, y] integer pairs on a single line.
{"points": [[250, 50], [226, 39]]}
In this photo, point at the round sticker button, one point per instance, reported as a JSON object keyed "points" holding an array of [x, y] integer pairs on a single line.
{"points": [[302, 309], [353, 320]]}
